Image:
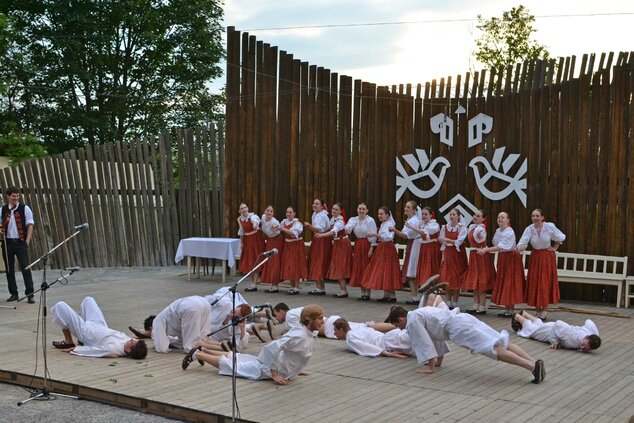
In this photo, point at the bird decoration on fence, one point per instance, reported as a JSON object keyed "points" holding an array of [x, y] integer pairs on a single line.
{"points": [[516, 183], [435, 171]]}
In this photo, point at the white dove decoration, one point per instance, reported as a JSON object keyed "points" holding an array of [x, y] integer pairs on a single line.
{"points": [[516, 183], [427, 169]]}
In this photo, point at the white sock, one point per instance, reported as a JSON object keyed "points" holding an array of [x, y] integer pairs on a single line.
{"points": [[476, 306]]}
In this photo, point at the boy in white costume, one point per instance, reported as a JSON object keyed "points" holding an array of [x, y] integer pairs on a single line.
{"points": [[431, 326], [185, 322], [558, 334], [93, 332], [281, 360], [368, 342]]}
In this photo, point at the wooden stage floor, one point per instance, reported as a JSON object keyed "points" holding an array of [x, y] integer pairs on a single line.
{"points": [[342, 387]]}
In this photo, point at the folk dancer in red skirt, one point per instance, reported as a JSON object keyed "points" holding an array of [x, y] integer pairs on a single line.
{"points": [[340, 266], [480, 274], [383, 271], [510, 283], [429, 257], [294, 265], [274, 239], [454, 257], [542, 284], [410, 265], [319, 255], [361, 225], [251, 244]]}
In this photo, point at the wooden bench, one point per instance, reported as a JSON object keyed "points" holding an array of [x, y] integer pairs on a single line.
{"points": [[629, 293], [573, 268]]}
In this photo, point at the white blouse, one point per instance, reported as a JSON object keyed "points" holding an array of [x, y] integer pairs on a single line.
{"points": [[268, 226], [480, 232], [430, 228], [384, 231], [504, 239], [253, 218], [320, 221], [336, 224], [361, 228], [462, 235], [541, 239], [297, 227], [415, 222]]}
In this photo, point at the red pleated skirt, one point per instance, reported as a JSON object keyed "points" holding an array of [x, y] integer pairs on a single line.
{"points": [[453, 267], [319, 258], [360, 261], [271, 272], [294, 265], [542, 284], [480, 273], [252, 247], [509, 281], [340, 266], [429, 260], [383, 271]]}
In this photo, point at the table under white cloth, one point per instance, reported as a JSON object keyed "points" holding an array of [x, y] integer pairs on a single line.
{"points": [[226, 249]]}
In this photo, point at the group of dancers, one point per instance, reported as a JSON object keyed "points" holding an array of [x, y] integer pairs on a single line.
{"points": [[373, 262], [202, 326]]}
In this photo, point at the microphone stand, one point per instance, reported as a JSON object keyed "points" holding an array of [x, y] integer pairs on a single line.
{"points": [[234, 322], [46, 392]]}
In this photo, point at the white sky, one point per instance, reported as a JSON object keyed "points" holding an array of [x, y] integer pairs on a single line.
{"points": [[417, 53]]}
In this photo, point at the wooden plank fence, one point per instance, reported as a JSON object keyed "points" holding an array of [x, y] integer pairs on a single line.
{"points": [[139, 198], [337, 138]]}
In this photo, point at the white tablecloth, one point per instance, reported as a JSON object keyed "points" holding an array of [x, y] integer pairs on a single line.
{"points": [[216, 248]]}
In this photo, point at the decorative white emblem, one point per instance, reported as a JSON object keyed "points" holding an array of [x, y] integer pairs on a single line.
{"points": [[443, 125], [479, 125], [464, 206], [435, 171], [515, 183]]}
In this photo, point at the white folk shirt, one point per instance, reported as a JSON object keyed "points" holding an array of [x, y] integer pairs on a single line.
{"points": [[12, 228], [329, 327], [186, 319], [479, 232], [297, 227], [292, 317], [462, 235], [384, 231], [337, 224], [253, 218], [268, 226], [288, 355], [504, 239], [220, 315], [369, 342], [541, 239], [410, 233], [361, 227], [427, 332], [430, 228], [558, 332], [320, 221]]}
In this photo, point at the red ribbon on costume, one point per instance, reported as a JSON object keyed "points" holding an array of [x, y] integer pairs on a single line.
{"points": [[485, 222], [433, 214], [343, 214], [324, 207]]}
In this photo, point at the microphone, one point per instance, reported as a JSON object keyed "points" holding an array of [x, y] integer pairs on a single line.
{"points": [[72, 269], [270, 253], [80, 227]]}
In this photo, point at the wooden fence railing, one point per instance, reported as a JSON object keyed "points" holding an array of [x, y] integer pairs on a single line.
{"points": [[296, 132], [139, 198]]}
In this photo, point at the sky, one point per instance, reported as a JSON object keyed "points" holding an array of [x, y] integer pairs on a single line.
{"points": [[419, 52]]}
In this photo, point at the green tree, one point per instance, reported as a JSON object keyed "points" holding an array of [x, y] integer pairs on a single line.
{"points": [[96, 71], [507, 40]]}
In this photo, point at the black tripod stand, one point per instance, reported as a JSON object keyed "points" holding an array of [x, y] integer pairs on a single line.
{"points": [[46, 392], [235, 321]]}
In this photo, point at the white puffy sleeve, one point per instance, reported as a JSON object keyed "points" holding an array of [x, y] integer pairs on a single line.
{"points": [[505, 240], [525, 238], [462, 235], [554, 232]]}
